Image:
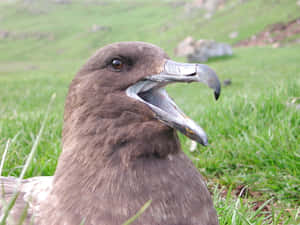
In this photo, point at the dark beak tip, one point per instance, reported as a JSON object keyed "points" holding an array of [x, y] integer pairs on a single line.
{"points": [[217, 94], [205, 144]]}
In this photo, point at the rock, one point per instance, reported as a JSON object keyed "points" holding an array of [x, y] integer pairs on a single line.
{"points": [[96, 28], [185, 47], [208, 15], [28, 1], [297, 41], [198, 3], [209, 5], [4, 34], [206, 49], [294, 102], [276, 45], [62, 1], [26, 35], [201, 50], [176, 4], [212, 5], [227, 82], [233, 35]]}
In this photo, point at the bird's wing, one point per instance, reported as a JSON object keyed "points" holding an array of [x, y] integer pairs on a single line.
{"points": [[28, 196]]}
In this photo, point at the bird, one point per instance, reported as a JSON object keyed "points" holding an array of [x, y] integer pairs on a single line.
{"points": [[120, 147]]}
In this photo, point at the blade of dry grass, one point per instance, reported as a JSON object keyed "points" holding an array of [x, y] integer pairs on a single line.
{"points": [[8, 143], [4, 155]]}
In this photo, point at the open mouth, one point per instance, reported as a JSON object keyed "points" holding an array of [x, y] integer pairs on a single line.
{"points": [[151, 92]]}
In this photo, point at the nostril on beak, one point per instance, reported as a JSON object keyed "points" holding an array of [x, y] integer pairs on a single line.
{"points": [[192, 74]]}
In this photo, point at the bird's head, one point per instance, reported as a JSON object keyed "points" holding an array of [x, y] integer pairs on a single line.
{"points": [[129, 78]]}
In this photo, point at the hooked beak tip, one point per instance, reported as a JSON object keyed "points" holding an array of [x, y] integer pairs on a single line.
{"points": [[205, 142], [217, 94]]}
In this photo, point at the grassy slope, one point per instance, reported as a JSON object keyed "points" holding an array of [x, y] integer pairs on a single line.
{"points": [[152, 21], [254, 136], [247, 19]]}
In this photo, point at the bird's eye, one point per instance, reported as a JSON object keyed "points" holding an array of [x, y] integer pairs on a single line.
{"points": [[117, 64]]}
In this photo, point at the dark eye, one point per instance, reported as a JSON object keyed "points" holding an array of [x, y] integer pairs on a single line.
{"points": [[117, 64]]}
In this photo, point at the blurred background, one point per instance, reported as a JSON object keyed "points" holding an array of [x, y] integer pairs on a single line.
{"points": [[252, 164]]}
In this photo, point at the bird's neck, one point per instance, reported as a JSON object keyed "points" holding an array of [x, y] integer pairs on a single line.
{"points": [[93, 143], [102, 152]]}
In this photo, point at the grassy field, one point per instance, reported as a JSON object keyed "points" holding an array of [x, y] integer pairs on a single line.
{"points": [[254, 135]]}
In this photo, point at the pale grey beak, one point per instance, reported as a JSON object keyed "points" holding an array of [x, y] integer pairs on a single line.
{"points": [[186, 72], [151, 92]]}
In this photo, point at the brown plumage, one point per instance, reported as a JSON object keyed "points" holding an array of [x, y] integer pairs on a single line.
{"points": [[117, 153]]}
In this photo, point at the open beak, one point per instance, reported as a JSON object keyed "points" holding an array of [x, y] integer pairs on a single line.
{"points": [[150, 91]]}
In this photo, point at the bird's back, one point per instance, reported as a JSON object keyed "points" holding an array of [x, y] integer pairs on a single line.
{"points": [[24, 198]]}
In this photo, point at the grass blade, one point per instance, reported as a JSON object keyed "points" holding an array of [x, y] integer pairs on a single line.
{"points": [[4, 155], [34, 147], [139, 213]]}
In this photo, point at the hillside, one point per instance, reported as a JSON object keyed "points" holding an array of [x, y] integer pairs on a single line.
{"points": [[44, 31]]}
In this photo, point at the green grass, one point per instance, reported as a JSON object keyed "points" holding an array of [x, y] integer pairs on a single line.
{"points": [[254, 135]]}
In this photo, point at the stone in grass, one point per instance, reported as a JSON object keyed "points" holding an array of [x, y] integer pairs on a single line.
{"points": [[233, 35], [4, 34], [97, 28], [294, 102], [202, 50], [227, 82], [62, 1]]}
